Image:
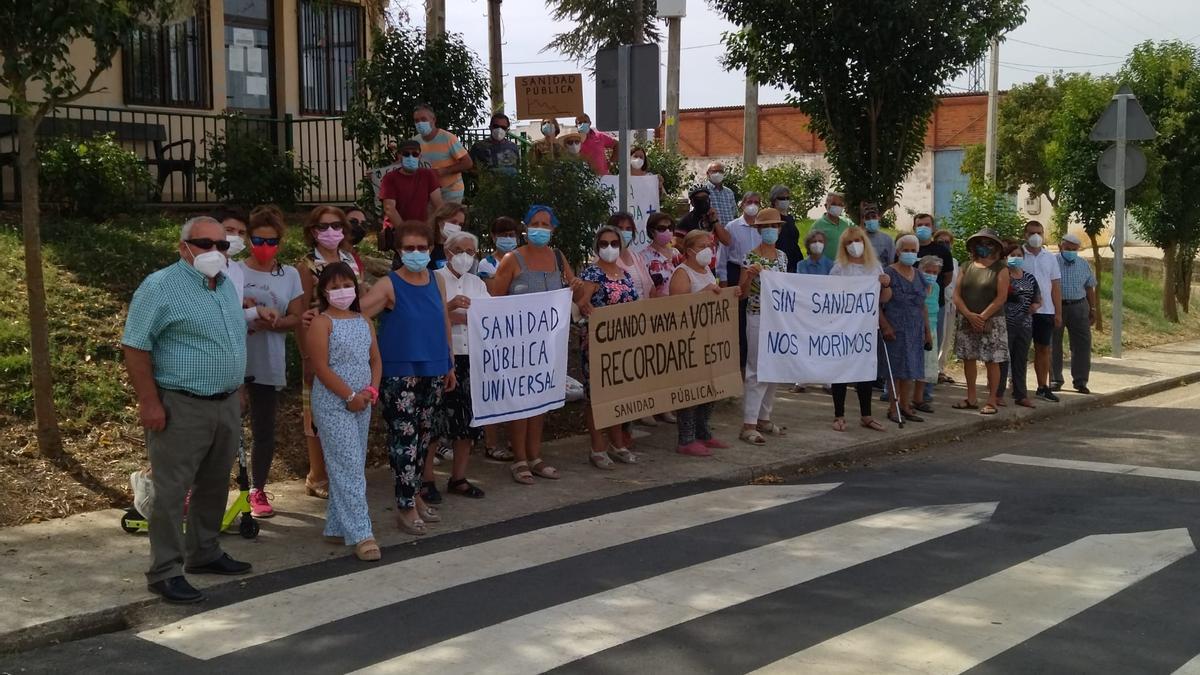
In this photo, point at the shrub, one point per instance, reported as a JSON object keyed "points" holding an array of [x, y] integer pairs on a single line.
{"points": [[569, 186], [94, 177], [244, 166], [806, 183], [982, 205]]}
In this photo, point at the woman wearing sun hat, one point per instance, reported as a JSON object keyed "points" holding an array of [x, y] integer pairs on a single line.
{"points": [[979, 297]]}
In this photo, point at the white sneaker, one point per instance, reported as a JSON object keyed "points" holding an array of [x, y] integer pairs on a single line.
{"points": [[143, 492]]}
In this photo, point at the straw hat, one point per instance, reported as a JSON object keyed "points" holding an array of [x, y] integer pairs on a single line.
{"points": [[768, 217], [988, 234]]}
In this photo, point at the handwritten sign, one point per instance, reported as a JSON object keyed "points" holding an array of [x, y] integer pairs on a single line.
{"points": [[818, 329], [518, 355], [654, 356], [643, 200], [541, 96]]}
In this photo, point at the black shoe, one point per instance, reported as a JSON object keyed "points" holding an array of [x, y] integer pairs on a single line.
{"points": [[429, 493], [1047, 395], [176, 591], [1056, 386], [223, 565], [1083, 389]]}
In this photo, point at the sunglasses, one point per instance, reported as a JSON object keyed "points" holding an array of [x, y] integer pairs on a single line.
{"points": [[269, 241], [206, 244], [325, 226], [608, 243], [355, 222], [660, 229], [572, 142], [410, 153], [412, 249]]}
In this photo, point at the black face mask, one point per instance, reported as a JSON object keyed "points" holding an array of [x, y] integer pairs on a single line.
{"points": [[701, 205]]}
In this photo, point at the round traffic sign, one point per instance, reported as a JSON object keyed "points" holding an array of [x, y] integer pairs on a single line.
{"points": [[1135, 166]]}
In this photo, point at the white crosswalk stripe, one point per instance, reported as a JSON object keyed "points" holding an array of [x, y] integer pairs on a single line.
{"points": [[276, 615], [1190, 668], [963, 628], [1098, 467], [558, 635]]}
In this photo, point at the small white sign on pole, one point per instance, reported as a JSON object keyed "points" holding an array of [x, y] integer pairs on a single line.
{"points": [[818, 329], [643, 200], [518, 349]]}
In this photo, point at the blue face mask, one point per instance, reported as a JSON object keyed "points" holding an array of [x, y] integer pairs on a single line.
{"points": [[410, 163], [770, 235], [626, 237], [930, 279], [584, 128], [908, 258], [415, 261], [872, 225], [983, 251], [924, 232], [538, 236], [506, 244], [1016, 262], [1070, 256], [424, 128]]}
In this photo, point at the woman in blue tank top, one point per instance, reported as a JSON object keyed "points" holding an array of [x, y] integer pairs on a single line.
{"points": [[414, 343]]}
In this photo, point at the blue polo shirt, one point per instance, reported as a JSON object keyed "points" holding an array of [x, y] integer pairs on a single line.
{"points": [[196, 336]]}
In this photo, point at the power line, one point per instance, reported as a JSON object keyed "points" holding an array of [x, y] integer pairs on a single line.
{"points": [[525, 63], [1066, 51]]}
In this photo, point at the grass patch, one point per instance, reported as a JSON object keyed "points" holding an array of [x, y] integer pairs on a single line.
{"points": [[1144, 324]]}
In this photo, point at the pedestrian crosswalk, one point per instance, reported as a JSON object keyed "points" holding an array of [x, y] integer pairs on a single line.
{"points": [[951, 629], [1097, 467]]}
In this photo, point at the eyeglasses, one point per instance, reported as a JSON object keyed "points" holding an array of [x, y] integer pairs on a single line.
{"points": [[206, 244], [410, 153], [412, 249], [269, 241], [325, 226], [608, 243]]}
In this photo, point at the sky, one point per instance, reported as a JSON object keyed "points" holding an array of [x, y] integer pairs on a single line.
{"points": [[1072, 35]]}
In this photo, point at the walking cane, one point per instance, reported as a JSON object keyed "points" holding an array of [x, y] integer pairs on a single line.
{"points": [[895, 398]]}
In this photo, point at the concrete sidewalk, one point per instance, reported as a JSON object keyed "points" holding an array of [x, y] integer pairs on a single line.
{"points": [[81, 575]]}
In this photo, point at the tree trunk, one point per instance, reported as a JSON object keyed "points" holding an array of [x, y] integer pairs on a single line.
{"points": [[1170, 271], [49, 436], [1183, 282], [1096, 264]]}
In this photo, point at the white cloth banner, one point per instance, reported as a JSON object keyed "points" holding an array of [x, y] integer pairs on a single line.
{"points": [[818, 329], [643, 200], [518, 346]]}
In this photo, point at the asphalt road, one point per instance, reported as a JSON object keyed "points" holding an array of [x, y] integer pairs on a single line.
{"points": [[1062, 547]]}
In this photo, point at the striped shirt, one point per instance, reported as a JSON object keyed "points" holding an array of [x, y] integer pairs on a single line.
{"points": [[1022, 293], [442, 151], [1077, 277], [196, 336]]}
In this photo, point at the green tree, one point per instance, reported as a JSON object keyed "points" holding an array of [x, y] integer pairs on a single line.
{"points": [[672, 166], [599, 24], [39, 75], [808, 184], [1165, 76], [982, 205], [866, 73], [404, 70], [1024, 129], [242, 165]]}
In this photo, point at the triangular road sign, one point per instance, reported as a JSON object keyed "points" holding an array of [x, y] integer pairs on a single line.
{"points": [[1137, 125]]}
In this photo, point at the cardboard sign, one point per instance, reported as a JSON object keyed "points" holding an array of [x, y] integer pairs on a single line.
{"points": [[643, 200], [542, 96], [518, 346], [818, 329], [663, 354]]}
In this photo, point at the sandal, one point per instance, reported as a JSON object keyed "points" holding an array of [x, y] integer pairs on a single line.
{"points": [[601, 460], [872, 424], [429, 493], [318, 490], [416, 528], [429, 514], [623, 455], [923, 407], [499, 454], [945, 379], [520, 473], [463, 488], [839, 424], [752, 436], [911, 416], [988, 409], [367, 551], [965, 405], [543, 470], [771, 429]]}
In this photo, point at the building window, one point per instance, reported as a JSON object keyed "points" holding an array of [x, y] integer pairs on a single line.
{"points": [[331, 44], [169, 65]]}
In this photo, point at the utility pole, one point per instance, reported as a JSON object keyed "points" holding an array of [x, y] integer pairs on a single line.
{"points": [[639, 37], [673, 38], [435, 19], [750, 124], [495, 56], [989, 160]]}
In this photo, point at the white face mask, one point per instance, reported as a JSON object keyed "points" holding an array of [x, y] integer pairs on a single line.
{"points": [[836, 211], [716, 178], [855, 249], [636, 162], [1035, 241], [817, 247], [498, 134], [461, 263], [450, 229], [573, 148], [704, 257], [609, 254], [209, 263], [751, 210], [236, 244]]}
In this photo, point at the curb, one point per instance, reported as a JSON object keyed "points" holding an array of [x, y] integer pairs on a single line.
{"points": [[120, 618]]}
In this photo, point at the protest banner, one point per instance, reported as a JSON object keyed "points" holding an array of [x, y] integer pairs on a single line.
{"points": [[643, 200], [518, 346], [540, 96], [654, 356], [818, 329]]}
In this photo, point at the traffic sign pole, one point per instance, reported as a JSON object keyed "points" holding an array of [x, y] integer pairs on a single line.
{"points": [[623, 125], [1118, 271]]}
